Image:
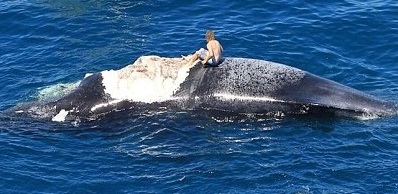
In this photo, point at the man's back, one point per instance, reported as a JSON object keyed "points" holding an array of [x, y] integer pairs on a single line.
{"points": [[215, 49]]}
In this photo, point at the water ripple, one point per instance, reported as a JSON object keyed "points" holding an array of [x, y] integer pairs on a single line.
{"points": [[48, 42]]}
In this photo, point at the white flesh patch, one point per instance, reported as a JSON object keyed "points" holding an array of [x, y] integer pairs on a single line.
{"points": [[149, 79], [60, 117]]}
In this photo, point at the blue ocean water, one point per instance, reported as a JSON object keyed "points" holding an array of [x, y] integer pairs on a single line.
{"points": [[46, 42]]}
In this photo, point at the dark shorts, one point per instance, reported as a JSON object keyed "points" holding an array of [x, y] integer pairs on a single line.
{"points": [[211, 62]]}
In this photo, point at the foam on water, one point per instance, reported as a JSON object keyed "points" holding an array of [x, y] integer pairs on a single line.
{"points": [[148, 79], [55, 91]]}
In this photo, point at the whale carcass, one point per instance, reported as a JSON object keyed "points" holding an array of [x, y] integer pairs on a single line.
{"points": [[237, 85]]}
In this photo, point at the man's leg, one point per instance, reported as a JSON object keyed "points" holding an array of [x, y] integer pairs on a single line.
{"points": [[194, 57]]}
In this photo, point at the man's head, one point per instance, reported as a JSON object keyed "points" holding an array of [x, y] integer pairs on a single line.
{"points": [[210, 35]]}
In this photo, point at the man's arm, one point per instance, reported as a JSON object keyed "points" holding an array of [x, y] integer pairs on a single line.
{"points": [[208, 57], [209, 54]]}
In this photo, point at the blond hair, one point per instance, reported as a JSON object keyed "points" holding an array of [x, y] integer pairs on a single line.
{"points": [[210, 35]]}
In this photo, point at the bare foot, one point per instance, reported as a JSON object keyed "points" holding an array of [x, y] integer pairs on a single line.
{"points": [[187, 58]]}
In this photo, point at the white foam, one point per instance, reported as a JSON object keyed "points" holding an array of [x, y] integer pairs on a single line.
{"points": [[60, 117], [251, 98], [149, 79], [55, 91], [105, 104]]}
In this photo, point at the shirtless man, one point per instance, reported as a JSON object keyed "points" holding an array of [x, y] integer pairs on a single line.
{"points": [[212, 56]]}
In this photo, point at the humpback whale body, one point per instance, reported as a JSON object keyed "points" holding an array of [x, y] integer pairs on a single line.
{"points": [[238, 85]]}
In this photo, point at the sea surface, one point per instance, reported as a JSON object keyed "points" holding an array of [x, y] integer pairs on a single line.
{"points": [[46, 44]]}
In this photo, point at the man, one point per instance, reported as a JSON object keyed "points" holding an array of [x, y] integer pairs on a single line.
{"points": [[210, 57]]}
